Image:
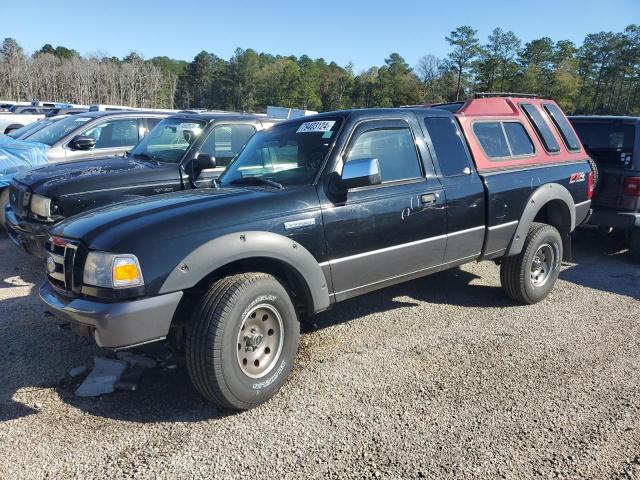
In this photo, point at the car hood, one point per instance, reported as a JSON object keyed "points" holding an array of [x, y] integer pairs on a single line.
{"points": [[172, 216], [65, 178]]}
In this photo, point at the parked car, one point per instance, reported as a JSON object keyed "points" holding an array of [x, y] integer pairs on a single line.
{"points": [[5, 105], [20, 115], [182, 152], [614, 143], [315, 211], [95, 134], [84, 137], [65, 111]]}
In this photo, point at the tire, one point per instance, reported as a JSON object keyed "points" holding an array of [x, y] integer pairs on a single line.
{"points": [[596, 173], [222, 361], [526, 282], [4, 201], [634, 244]]}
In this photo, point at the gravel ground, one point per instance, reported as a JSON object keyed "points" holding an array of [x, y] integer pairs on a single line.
{"points": [[438, 378]]}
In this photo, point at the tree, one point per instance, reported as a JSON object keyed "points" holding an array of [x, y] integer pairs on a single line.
{"points": [[465, 48]]}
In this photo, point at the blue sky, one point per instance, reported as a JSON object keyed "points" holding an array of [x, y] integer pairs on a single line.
{"points": [[358, 31]]}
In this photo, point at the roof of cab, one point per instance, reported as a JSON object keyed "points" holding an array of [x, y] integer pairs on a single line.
{"points": [[367, 113], [108, 113], [216, 115]]}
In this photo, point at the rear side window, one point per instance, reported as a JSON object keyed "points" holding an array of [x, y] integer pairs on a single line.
{"points": [[563, 126], [501, 140], [448, 145], [395, 150], [518, 138], [549, 142], [492, 138]]}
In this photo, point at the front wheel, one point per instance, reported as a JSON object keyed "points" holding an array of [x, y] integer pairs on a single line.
{"points": [[530, 276], [242, 340]]}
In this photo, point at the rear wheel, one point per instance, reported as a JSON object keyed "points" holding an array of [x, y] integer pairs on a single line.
{"points": [[4, 201], [242, 341], [530, 276]]}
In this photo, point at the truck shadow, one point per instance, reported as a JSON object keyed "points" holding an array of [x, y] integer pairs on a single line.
{"points": [[39, 350], [603, 262]]}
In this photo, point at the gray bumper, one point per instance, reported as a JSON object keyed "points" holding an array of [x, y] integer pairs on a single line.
{"points": [[603, 217], [117, 325], [27, 234]]}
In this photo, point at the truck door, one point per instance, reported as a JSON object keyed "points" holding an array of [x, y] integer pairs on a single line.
{"points": [[463, 189], [381, 233]]}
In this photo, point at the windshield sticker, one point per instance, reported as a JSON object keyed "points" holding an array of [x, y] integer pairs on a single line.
{"points": [[327, 134], [82, 119], [309, 127]]}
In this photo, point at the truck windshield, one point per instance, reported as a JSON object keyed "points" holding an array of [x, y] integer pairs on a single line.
{"points": [[55, 132], [169, 140], [288, 154], [610, 143]]}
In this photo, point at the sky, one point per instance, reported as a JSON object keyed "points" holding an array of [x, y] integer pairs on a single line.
{"points": [[358, 31]]}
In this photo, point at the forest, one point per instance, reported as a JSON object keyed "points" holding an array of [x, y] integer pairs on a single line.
{"points": [[602, 76]]}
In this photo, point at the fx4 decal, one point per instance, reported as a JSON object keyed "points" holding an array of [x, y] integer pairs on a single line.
{"points": [[577, 177]]}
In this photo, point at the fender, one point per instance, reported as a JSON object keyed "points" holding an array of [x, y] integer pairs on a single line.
{"points": [[538, 199], [229, 248]]}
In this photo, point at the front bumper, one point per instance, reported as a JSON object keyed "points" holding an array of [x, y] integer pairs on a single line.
{"points": [[604, 217], [120, 324], [28, 234]]}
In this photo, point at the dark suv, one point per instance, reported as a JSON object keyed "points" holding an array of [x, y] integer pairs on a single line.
{"points": [[614, 143], [182, 152]]}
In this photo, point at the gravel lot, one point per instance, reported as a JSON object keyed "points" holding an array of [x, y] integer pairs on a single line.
{"points": [[438, 378]]}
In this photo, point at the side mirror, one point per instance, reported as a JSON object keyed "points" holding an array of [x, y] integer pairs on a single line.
{"points": [[361, 172], [204, 161], [82, 142]]}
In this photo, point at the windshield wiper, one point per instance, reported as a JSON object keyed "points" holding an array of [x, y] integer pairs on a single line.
{"points": [[145, 155], [256, 181]]}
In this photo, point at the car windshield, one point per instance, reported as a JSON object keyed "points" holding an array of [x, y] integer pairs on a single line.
{"points": [[25, 131], [610, 143], [55, 132], [169, 140], [287, 154]]}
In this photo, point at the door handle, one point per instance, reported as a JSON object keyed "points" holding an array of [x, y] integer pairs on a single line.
{"points": [[428, 198]]}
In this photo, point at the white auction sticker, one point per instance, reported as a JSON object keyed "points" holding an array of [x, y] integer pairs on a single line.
{"points": [[82, 119], [308, 127]]}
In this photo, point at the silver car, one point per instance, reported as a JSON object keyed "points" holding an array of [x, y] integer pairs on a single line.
{"points": [[91, 135]]}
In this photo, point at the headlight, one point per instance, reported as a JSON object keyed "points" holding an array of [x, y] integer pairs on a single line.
{"points": [[110, 270], [41, 206]]}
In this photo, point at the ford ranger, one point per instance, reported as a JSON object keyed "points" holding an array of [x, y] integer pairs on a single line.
{"points": [[315, 211]]}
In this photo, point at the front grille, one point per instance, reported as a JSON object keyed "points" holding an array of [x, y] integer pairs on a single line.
{"points": [[19, 199], [61, 268]]}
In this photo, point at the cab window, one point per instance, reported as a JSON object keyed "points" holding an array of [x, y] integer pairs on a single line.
{"points": [[395, 150], [448, 145]]}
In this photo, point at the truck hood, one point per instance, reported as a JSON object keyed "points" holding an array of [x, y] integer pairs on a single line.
{"points": [[65, 178], [172, 217]]}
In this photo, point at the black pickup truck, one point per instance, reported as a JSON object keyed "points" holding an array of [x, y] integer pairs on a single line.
{"points": [[312, 212], [180, 152]]}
